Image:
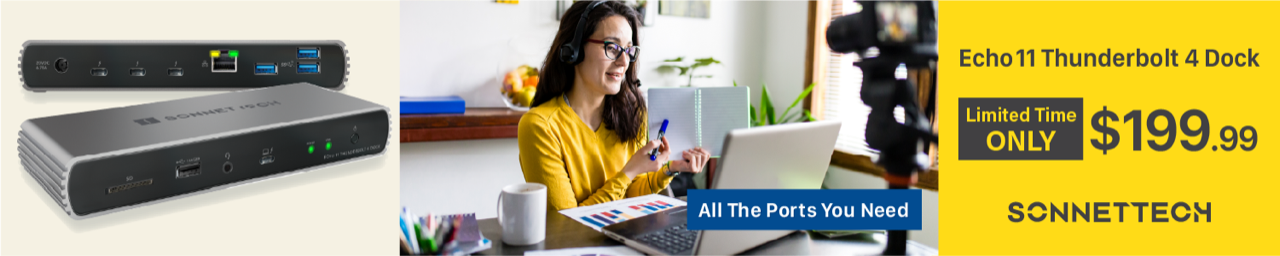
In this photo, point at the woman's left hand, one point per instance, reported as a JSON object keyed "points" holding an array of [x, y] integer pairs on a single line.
{"points": [[694, 160]]}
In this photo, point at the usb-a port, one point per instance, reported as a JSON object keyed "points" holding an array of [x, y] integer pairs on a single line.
{"points": [[264, 69], [187, 170], [309, 68], [267, 159], [308, 52]]}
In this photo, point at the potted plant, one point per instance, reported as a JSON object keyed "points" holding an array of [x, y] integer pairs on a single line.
{"points": [[767, 115]]}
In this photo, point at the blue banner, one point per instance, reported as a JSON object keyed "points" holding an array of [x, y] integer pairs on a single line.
{"points": [[804, 209]]}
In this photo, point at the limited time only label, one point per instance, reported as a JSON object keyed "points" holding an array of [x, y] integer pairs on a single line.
{"points": [[1020, 129]]}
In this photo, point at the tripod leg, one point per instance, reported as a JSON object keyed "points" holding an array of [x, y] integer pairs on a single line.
{"points": [[897, 239]]}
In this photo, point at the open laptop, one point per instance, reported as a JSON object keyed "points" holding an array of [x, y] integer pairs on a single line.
{"points": [[789, 156]]}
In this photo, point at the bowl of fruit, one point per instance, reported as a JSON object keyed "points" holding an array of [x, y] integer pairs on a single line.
{"points": [[519, 86]]}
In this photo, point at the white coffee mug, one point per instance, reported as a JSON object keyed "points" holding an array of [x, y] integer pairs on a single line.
{"points": [[522, 213]]}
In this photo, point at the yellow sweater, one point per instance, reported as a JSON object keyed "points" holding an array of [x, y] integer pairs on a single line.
{"points": [[579, 166]]}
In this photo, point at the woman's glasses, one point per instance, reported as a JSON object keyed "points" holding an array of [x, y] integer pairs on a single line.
{"points": [[613, 50]]}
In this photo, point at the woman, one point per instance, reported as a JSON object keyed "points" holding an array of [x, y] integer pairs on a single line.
{"points": [[585, 137]]}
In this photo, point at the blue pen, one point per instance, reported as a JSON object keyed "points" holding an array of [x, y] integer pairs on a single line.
{"points": [[653, 155]]}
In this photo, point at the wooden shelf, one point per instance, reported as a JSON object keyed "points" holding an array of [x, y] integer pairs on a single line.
{"points": [[926, 180], [475, 123]]}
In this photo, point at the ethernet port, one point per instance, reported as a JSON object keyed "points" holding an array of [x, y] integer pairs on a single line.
{"points": [[224, 61]]}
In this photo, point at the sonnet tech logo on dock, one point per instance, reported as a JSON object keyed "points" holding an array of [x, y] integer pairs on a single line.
{"points": [[215, 111]]}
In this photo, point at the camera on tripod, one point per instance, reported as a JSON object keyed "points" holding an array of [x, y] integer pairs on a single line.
{"points": [[901, 32], [888, 35], [894, 28]]}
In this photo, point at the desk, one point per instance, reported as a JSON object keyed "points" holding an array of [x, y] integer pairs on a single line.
{"points": [[563, 232]]}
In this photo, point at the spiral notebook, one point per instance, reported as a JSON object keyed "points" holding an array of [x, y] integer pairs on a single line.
{"points": [[698, 117]]}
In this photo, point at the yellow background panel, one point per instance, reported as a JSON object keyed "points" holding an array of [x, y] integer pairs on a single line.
{"points": [[1240, 185]]}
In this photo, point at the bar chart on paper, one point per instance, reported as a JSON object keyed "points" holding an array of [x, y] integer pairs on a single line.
{"points": [[601, 215]]}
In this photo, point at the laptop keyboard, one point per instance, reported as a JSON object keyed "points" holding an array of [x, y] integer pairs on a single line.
{"points": [[673, 240]]}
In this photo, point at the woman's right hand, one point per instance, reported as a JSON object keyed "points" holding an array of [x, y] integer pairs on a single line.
{"points": [[640, 162]]}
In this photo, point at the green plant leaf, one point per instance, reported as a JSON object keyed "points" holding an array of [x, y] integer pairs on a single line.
{"points": [[683, 70], [703, 62], [790, 118], [797, 101], [677, 59], [766, 106], [754, 121], [803, 116], [706, 61]]}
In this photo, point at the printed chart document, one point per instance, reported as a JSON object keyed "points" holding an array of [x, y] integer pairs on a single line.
{"points": [[600, 215]]}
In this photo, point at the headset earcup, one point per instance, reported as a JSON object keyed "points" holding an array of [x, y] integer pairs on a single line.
{"points": [[567, 53]]}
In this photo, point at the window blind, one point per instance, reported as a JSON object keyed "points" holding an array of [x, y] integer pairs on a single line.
{"points": [[843, 93]]}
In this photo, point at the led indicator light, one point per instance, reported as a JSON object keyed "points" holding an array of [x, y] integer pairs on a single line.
{"points": [[311, 149], [234, 53], [328, 145], [214, 53]]}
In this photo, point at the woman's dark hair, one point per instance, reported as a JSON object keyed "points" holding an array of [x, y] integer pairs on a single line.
{"points": [[622, 111]]}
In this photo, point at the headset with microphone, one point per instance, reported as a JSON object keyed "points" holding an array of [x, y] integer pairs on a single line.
{"points": [[570, 52]]}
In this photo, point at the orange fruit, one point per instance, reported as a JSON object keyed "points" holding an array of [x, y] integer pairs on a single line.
{"points": [[531, 81]]}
